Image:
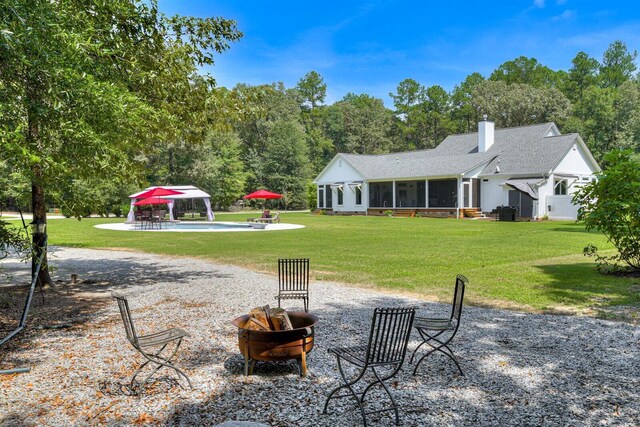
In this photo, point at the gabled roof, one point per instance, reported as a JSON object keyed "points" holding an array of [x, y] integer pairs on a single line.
{"points": [[467, 143], [521, 151], [525, 150], [415, 164]]}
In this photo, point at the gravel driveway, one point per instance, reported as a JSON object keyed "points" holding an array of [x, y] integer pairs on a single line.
{"points": [[521, 369]]}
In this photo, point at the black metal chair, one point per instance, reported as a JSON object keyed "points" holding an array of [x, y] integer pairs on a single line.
{"points": [[151, 346], [293, 280], [437, 333], [386, 349]]}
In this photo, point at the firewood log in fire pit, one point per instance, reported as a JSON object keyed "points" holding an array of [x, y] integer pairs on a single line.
{"points": [[274, 335]]}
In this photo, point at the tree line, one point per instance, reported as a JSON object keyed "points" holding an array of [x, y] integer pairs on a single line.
{"points": [[280, 138], [105, 101]]}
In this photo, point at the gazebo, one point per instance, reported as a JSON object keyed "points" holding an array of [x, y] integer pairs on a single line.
{"points": [[187, 192]]}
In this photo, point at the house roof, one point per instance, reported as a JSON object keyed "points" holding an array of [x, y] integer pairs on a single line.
{"points": [[524, 151], [415, 164]]}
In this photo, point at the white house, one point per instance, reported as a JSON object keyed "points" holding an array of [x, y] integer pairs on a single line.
{"points": [[532, 168]]}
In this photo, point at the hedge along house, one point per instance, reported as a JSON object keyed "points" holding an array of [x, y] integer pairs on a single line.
{"points": [[532, 168]]}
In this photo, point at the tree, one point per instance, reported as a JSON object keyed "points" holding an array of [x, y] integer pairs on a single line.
{"points": [[519, 104], [528, 71], [285, 166], [409, 93], [90, 86], [360, 124], [594, 118], [437, 108], [219, 169], [618, 65], [313, 89], [463, 113], [582, 75], [611, 204], [628, 116], [410, 116]]}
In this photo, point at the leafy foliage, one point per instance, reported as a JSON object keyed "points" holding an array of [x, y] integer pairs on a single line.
{"points": [[313, 89], [612, 205], [519, 104]]}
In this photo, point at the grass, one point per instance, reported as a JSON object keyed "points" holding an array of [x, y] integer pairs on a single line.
{"points": [[535, 266]]}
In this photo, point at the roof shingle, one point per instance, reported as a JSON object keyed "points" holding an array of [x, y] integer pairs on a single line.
{"points": [[525, 150]]}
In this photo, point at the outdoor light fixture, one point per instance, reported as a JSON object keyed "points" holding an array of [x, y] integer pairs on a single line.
{"points": [[38, 226]]}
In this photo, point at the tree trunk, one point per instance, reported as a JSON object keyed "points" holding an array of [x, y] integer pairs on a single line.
{"points": [[39, 239], [39, 209]]}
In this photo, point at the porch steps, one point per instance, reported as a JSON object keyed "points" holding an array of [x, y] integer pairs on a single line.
{"points": [[473, 213]]}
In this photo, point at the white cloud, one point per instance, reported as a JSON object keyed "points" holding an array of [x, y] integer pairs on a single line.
{"points": [[538, 3], [566, 15]]}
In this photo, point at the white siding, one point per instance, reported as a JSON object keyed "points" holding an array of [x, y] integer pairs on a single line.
{"points": [[561, 207], [341, 171], [492, 193], [575, 163]]}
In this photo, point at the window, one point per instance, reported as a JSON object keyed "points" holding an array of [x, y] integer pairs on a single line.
{"points": [[560, 187], [321, 197], [329, 194], [358, 195], [340, 196]]}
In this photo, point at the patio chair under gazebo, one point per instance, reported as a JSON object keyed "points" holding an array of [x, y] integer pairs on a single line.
{"points": [[185, 192]]}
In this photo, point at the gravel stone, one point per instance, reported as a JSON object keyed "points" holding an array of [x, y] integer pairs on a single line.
{"points": [[521, 369]]}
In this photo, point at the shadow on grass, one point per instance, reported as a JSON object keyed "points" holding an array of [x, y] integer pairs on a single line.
{"points": [[580, 284]]}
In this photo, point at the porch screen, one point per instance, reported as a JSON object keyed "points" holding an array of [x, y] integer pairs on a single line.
{"points": [[443, 193], [381, 194], [410, 194]]}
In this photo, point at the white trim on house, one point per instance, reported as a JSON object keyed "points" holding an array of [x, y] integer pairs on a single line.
{"points": [[537, 152]]}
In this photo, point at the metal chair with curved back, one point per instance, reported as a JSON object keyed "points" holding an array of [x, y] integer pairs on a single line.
{"points": [[438, 332], [150, 346], [387, 347]]}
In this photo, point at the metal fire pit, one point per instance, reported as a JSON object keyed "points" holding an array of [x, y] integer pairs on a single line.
{"points": [[277, 345]]}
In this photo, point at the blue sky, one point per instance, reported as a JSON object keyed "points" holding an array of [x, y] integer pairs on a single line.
{"points": [[371, 46]]}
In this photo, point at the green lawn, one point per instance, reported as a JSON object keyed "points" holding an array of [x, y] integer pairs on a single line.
{"points": [[535, 266]]}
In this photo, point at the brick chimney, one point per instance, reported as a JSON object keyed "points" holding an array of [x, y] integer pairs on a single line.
{"points": [[485, 134]]}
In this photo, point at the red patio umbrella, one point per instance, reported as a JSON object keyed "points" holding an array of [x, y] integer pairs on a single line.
{"points": [[151, 201], [157, 192], [263, 194]]}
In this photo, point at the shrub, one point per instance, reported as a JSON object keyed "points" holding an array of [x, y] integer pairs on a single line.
{"points": [[612, 205]]}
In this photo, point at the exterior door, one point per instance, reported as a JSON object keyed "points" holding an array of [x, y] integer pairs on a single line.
{"points": [[471, 193], [521, 201]]}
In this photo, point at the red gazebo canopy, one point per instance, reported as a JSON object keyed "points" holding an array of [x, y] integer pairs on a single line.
{"points": [[263, 194], [157, 192], [152, 201]]}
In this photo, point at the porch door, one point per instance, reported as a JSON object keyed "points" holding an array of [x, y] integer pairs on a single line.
{"points": [[329, 195], [466, 192], [471, 193], [521, 201]]}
